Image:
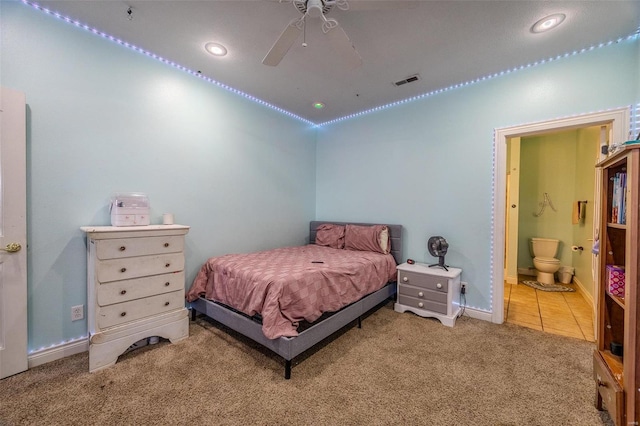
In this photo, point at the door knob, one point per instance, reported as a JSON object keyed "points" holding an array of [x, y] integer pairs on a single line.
{"points": [[12, 247]]}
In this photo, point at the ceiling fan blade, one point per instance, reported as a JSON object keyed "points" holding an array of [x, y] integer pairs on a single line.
{"points": [[284, 42], [344, 48], [380, 4]]}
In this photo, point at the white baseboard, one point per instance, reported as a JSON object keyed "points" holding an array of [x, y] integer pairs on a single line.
{"points": [[58, 352], [531, 271], [585, 294], [477, 314]]}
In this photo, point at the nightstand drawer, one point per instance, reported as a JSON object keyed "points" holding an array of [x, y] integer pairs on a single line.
{"points": [[422, 293], [127, 268], [431, 282], [428, 305], [121, 313], [130, 247], [123, 291]]}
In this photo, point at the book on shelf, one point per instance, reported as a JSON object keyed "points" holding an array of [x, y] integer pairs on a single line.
{"points": [[619, 198]]}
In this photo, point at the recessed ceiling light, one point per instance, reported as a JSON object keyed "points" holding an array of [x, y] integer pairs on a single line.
{"points": [[318, 105], [215, 49], [548, 22]]}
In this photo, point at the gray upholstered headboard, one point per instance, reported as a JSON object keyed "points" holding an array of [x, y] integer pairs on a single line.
{"points": [[395, 232]]}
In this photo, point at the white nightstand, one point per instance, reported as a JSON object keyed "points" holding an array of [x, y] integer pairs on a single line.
{"points": [[429, 292], [135, 288]]}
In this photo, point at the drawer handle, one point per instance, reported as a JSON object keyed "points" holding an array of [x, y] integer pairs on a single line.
{"points": [[167, 284], [420, 305], [122, 248], [123, 270], [166, 265], [123, 292], [420, 294], [123, 314], [166, 303], [166, 244], [439, 285], [405, 279]]}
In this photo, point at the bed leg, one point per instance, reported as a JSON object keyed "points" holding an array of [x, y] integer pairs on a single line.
{"points": [[193, 314], [359, 322], [287, 369]]}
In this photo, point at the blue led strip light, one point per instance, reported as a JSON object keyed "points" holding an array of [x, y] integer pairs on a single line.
{"points": [[631, 37], [57, 345], [164, 60]]}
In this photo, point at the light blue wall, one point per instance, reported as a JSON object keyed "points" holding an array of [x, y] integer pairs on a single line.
{"points": [[103, 118], [428, 164]]}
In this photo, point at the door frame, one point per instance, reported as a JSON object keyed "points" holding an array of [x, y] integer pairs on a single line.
{"points": [[618, 118]]}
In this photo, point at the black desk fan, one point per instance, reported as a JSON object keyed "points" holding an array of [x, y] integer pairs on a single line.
{"points": [[438, 247]]}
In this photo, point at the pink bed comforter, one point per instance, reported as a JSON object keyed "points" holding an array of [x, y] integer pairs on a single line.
{"points": [[286, 286]]}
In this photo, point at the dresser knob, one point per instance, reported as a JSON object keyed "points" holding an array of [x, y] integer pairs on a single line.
{"points": [[122, 248], [420, 294], [405, 279], [166, 265], [166, 244], [123, 270], [166, 303], [123, 292], [167, 284], [123, 314], [439, 285], [420, 305]]}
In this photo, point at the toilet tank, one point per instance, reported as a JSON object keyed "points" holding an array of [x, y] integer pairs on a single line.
{"points": [[544, 247]]}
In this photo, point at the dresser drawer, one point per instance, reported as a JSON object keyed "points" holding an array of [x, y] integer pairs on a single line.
{"points": [[422, 293], [121, 313], [428, 305], [431, 282], [609, 389], [122, 291], [129, 247], [126, 268]]}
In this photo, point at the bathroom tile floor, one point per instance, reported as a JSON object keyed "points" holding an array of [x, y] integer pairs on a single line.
{"points": [[563, 313]]}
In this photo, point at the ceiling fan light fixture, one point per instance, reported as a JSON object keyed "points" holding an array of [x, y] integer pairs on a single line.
{"points": [[548, 22], [318, 105], [216, 49]]}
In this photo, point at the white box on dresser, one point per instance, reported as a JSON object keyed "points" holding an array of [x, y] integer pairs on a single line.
{"points": [[135, 288], [429, 292]]}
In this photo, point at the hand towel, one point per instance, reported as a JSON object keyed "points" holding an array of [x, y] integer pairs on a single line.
{"points": [[582, 207], [575, 217]]}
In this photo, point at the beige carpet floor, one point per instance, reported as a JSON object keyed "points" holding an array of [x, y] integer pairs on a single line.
{"points": [[398, 369]]}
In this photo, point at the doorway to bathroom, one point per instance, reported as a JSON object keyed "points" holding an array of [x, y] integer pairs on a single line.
{"points": [[609, 126]]}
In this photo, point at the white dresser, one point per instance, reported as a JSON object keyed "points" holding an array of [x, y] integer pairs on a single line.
{"points": [[135, 288], [429, 292]]}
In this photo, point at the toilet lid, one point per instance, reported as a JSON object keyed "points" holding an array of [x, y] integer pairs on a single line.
{"points": [[547, 260]]}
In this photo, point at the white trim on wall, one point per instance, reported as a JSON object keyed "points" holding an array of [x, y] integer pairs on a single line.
{"points": [[57, 352], [618, 118]]}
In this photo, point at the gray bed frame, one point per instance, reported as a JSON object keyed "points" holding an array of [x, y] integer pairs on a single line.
{"points": [[290, 347]]}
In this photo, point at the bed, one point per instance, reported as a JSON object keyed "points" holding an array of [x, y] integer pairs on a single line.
{"points": [[208, 297]]}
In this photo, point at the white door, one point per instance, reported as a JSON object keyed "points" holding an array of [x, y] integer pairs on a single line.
{"points": [[13, 233], [513, 194]]}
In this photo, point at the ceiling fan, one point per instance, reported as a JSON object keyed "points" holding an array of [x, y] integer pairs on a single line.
{"points": [[313, 10]]}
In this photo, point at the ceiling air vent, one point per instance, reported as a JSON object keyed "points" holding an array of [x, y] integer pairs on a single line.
{"points": [[411, 79]]}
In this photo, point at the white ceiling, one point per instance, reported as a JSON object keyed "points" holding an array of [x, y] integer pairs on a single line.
{"points": [[446, 42]]}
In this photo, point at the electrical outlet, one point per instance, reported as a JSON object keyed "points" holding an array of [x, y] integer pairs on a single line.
{"points": [[77, 312]]}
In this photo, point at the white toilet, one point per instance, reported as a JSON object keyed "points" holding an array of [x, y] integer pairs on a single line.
{"points": [[544, 251]]}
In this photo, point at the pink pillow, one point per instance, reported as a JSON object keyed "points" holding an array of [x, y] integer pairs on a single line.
{"points": [[330, 235], [367, 238]]}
